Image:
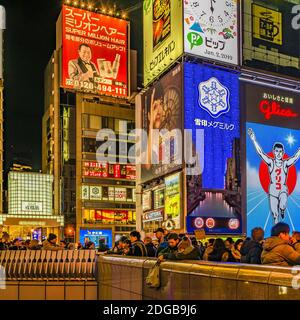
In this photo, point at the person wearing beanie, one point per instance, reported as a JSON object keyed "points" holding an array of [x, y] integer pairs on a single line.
{"points": [[50, 243]]}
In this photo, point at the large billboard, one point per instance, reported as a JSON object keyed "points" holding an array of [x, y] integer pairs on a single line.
{"points": [[162, 110], [271, 36], [211, 29], [272, 153], [163, 42], [212, 113], [94, 52]]}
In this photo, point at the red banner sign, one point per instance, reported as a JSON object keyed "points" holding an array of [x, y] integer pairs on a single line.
{"points": [[95, 49], [96, 170]]}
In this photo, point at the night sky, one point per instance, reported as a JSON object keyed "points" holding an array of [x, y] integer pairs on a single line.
{"points": [[29, 43]]}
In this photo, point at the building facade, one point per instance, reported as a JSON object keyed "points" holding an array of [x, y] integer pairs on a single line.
{"points": [[96, 199], [30, 206]]}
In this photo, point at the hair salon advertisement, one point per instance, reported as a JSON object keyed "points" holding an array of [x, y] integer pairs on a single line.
{"points": [[94, 52], [272, 154]]}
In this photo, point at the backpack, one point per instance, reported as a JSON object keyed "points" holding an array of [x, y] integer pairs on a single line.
{"points": [[153, 277]]}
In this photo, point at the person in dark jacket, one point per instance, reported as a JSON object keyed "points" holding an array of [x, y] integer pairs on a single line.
{"points": [[151, 250], [199, 246], [185, 251], [278, 250], [4, 241], [138, 248], [162, 240], [50, 243], [117, 249], [173, 241], [220, 252], [17, 245], [251, 249]]}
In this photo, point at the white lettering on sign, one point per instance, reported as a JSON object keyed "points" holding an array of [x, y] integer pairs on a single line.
{"points": [[32, 206]]}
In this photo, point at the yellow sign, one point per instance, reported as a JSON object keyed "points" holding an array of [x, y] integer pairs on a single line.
{"points": [[267, 24], [163, 37], [173, 200]]}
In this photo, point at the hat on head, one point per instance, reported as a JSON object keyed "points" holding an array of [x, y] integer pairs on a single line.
{"points": [[52, 236]]}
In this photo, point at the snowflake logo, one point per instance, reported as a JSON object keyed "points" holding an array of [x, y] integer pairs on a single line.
{"points": [[214, 97]]}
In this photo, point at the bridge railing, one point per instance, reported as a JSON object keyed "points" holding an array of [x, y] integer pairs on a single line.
{"points": [[124, 278], [49, 265]]}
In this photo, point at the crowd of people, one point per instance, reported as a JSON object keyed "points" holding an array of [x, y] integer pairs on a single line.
{"points": [[51, 243], [281, 249]]}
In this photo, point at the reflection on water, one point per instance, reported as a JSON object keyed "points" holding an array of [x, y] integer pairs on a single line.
{"points": [[214, 206]]}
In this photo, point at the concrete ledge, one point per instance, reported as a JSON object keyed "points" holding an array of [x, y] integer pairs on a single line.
{"points": [[194, 280]]}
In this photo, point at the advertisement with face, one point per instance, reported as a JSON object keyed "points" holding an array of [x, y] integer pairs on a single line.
{"points": [[211, 29], [212, 110], [162, 110], [95, 53], [173, 201], [272, 153], [162, 36], [96, 236], [271, 36]]}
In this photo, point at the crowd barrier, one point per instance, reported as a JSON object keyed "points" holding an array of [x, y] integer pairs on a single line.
{"points": [[49, 265], [48, 275], [123, 278]]}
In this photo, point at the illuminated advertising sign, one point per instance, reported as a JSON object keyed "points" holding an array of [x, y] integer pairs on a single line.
{"points": [[120, 194], [147, 200], [95, 193], [211, 29], [212, 112], [271, 36], [95, 52], [159, 198], [95, 236], [173, 201], [162, 36], [32, 206], [103, 193], [94, 169], [153, 216], [85, 193], [162, 110], [272, 154]]}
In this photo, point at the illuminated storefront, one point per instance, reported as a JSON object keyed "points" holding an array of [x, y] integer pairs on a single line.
{"points": [[30, 206]]}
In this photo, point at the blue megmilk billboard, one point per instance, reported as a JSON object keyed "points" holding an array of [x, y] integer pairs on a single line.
{"points": [[212, 113]]}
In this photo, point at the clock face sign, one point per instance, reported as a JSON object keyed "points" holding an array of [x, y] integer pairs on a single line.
{"points": [[210, 29]]}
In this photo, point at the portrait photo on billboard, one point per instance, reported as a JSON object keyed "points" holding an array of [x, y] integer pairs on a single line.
{"points": [[212, 114], [211, 29], [271, 39], [163, 43], [162, 110], [94, 53]]}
